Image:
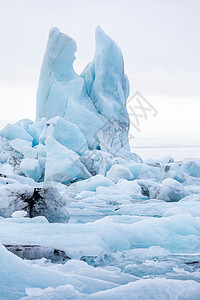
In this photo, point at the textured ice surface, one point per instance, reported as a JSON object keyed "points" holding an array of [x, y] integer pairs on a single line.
{"points": [[62, 92], [96, 101], [144, 289], [66, 133], [117, 172], [63, 165], [192, 167], [31, 168], [87, 217], [108, 87]]}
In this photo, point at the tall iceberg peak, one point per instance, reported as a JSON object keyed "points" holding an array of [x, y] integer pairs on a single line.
{"points": [[60, 55], [107, 68], [57, 67], [96, 100], [108, 86]]}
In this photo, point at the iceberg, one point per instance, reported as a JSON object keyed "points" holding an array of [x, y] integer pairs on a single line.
{"points": [[61, 92], [81, 216], [99, 94], [108, 87]]}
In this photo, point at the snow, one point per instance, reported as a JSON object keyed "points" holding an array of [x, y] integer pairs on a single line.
{"points": [[81, 216]]}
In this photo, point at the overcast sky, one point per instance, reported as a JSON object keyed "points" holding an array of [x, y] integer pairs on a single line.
{"points": [[160, 41]]}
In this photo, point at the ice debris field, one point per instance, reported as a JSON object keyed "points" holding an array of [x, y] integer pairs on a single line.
{"points": [[81, 216]]}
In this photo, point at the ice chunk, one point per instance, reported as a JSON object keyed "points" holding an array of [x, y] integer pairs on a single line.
{"points": [[129, 187], [35, 130], [66, 133], [44, 201], [169, 190], [18, 144], [6, 169], [24, 123], [19, 214], [15, 131], [91, 184], [173, 170], [63, 165], [11, 198], [31, 168], [41, 150], [30, 152], [87, 119], [192, 167], [137, 168], [97, 161], [118, 172]]}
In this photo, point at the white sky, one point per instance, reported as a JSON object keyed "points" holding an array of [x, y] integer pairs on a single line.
{"points": [[160, 41]]}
